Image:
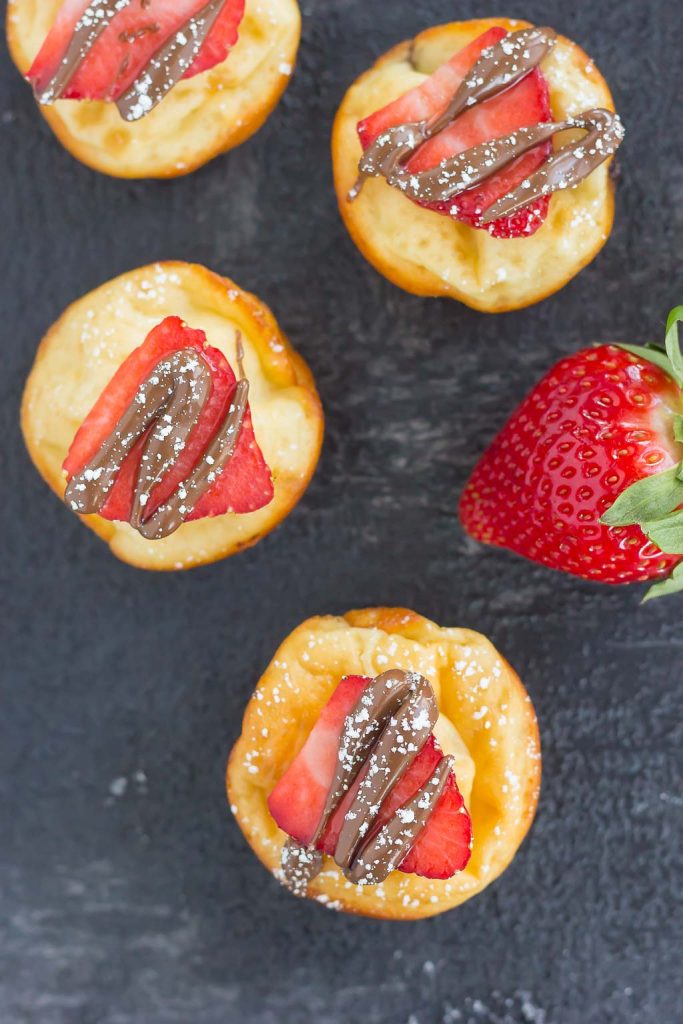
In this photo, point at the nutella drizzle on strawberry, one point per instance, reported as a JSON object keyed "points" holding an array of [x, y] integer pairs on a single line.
{"points": [[164, 70], [390, 724], [499, 67], [168, 404], [564, 168], [90, 26], [169, 64]]}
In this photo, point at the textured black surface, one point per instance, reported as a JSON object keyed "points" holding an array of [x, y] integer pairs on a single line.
{"points": [[128, 894]]}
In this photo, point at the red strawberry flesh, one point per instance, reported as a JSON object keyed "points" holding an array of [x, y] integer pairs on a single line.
{"points": [[127, 45], [244, 486], [298, 800], [598, 422], [523, 104], [432, 95], [220, 39]]}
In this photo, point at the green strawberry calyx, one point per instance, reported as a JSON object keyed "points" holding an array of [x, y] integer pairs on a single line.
{"points": [[655, 503]]}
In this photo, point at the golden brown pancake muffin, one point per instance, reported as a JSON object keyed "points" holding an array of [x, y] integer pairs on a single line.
{"points": [[428, 253], [485, 725], [200, 117], [88, 345]]}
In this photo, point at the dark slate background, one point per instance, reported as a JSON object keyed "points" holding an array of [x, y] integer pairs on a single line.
{"points": [[128, 893]]}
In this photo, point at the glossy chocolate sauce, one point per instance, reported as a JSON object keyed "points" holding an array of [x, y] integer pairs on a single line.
{"points": [[164, 70], [167, 407], [169, 64], [566, 167], [95, 19], [499, 67], [390, 724]]}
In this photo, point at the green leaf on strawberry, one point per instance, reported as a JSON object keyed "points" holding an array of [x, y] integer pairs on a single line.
{"points": [[587, 475], [668, 358], [673, 584], [647, 499], [654, 503], [673, 344], [654, 354], [666, 533], [646, 502]]}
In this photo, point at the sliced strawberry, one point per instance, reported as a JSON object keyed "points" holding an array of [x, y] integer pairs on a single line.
{"points": [[245, 484], [298, 800], [220, 39], [433, 95], [526, 103], [246, 487], [55, 43], [127, 45], [169, 336], [445, 846]]}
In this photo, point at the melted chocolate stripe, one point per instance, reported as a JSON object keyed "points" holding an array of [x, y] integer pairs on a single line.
{"points": [[381, 737], [390, 846], [568, 166], [170, 433], [468, 169], [563, 169], [90, 26], [168, 405], [498, 68], [169, 516], [169, 401], [163, 71], [169, 64]]}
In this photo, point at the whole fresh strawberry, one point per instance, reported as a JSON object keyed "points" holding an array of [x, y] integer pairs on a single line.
{"points": [[587, 475]]}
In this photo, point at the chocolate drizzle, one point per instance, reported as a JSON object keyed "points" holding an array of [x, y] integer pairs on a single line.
{"points": [[163, 71], [498, 68], [381, 737], [169, 64], [169, 516], [566, 167], [167, 407], [95, 19]]}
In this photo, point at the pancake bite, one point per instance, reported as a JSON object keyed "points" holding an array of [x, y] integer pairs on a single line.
{"points": [[154, 88], [473, 162], [167, 409], [387, 766]]}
